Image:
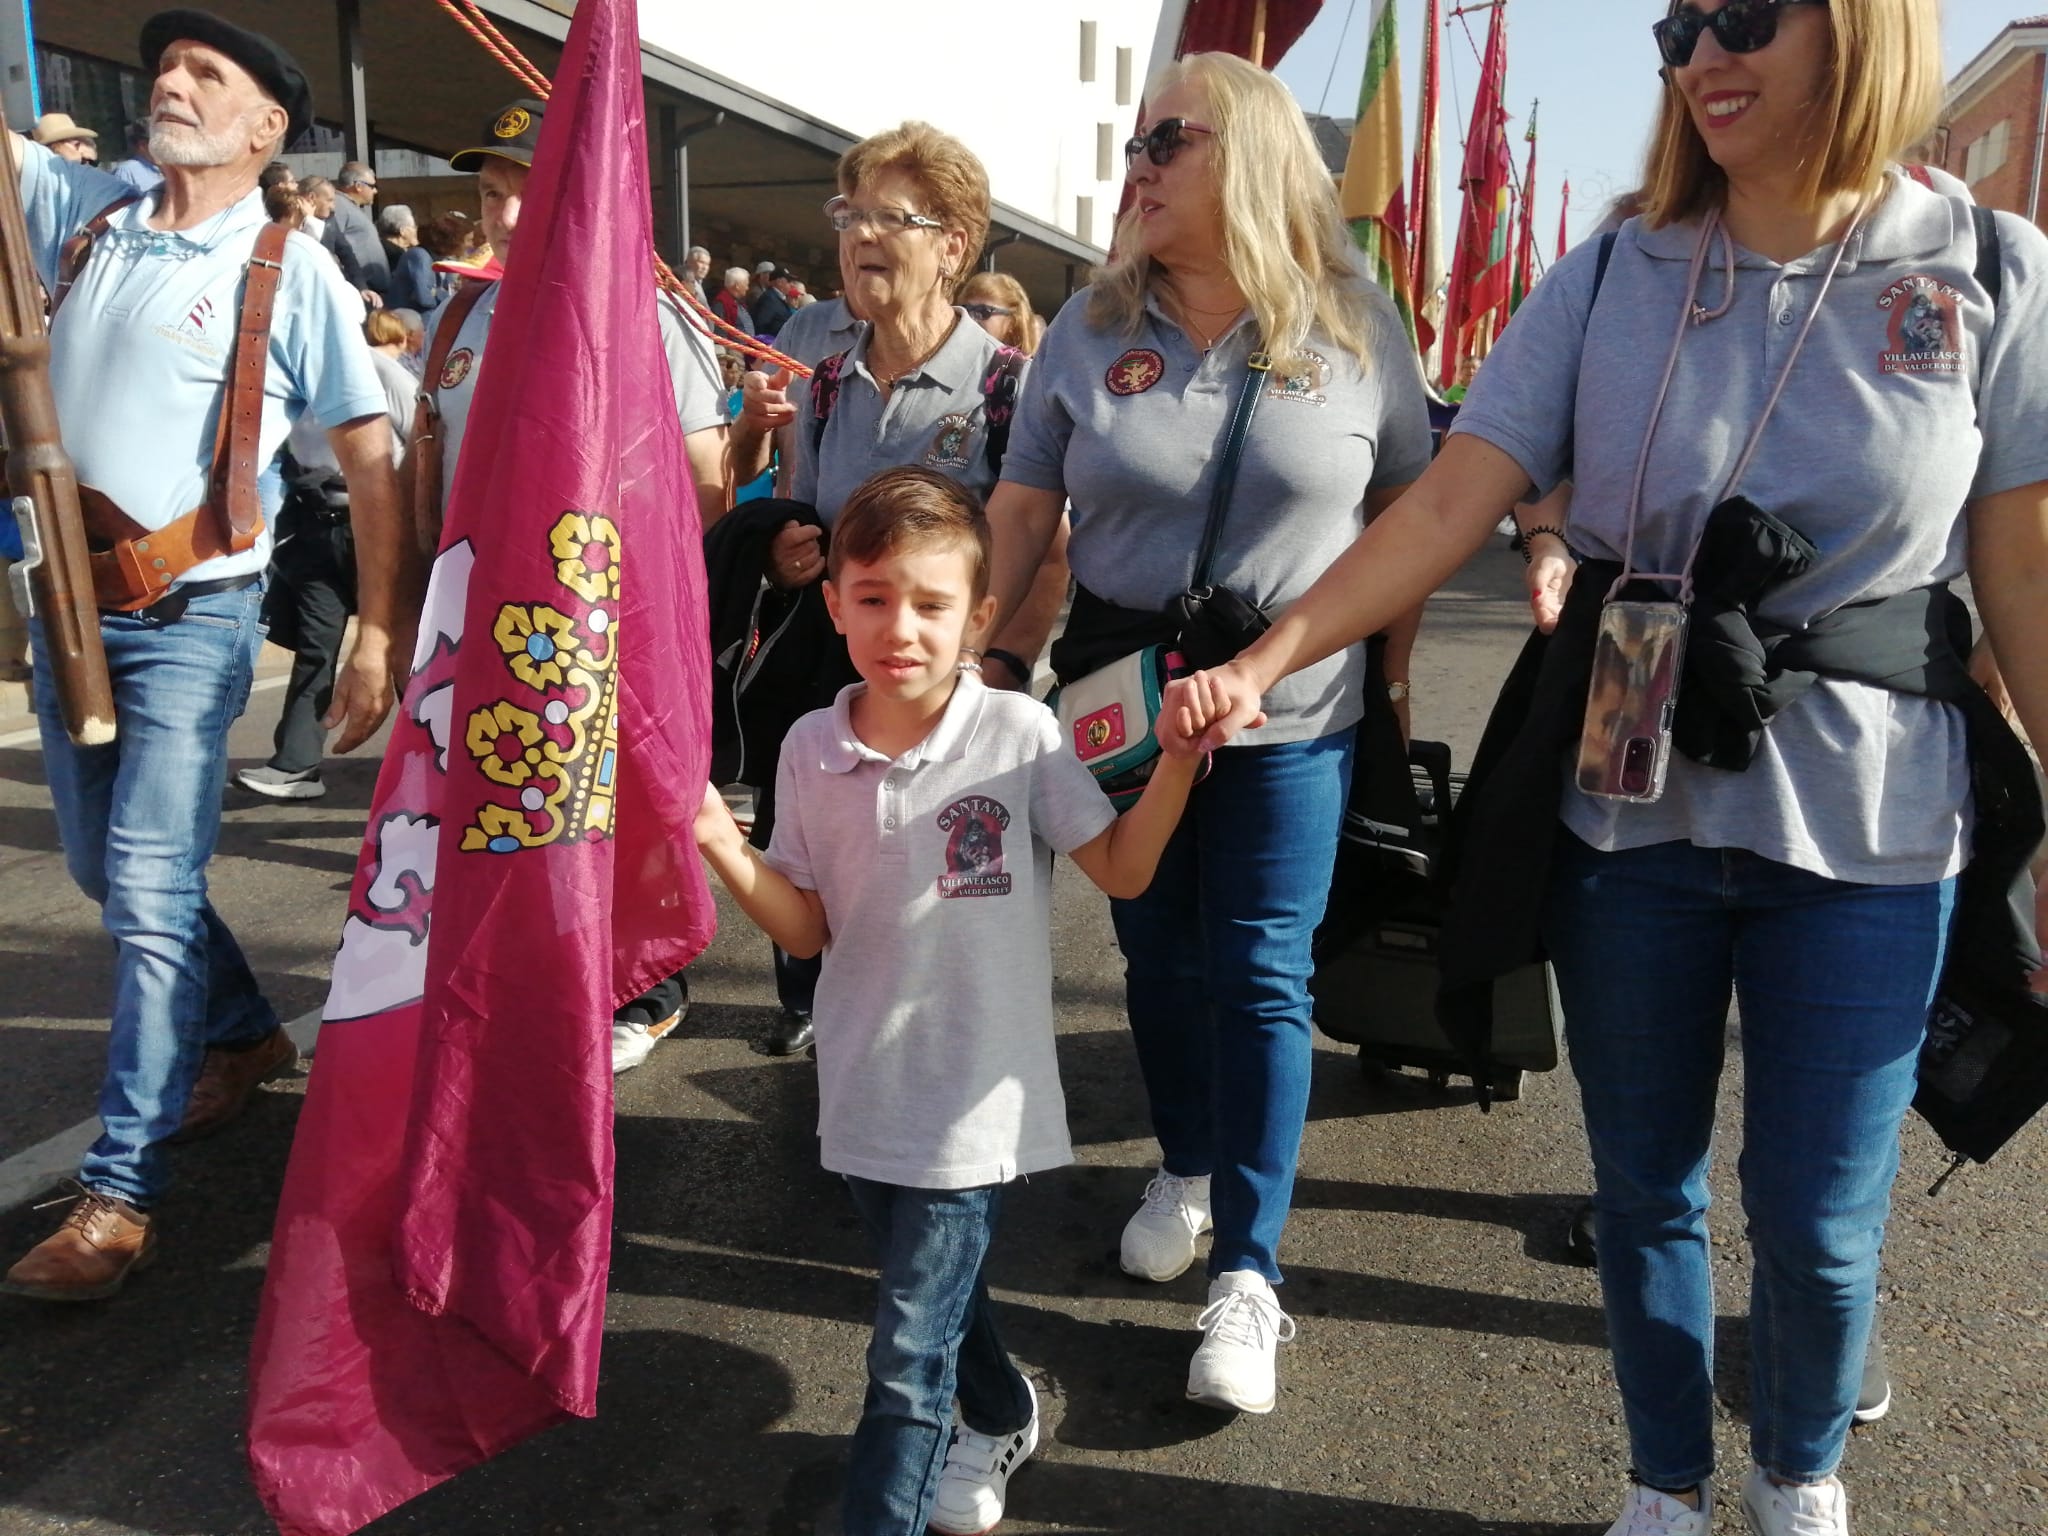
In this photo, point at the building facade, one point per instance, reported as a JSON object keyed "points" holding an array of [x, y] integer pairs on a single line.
{"points": [[1994, 122]]}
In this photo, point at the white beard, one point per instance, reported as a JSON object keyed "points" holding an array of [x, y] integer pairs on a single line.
{"points": [[183, 144]]}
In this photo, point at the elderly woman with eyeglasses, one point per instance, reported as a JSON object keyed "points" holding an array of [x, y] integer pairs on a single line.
{"points": [[921, 385], [1233, 253]]}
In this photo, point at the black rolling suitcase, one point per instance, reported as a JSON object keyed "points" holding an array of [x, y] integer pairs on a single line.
{"points": [[1375, 979]]}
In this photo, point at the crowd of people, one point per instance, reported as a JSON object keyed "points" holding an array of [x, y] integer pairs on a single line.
{"points": [[1220, 449]]}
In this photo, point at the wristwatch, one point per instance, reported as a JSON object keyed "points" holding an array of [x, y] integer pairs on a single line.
{"points": [[1398, 691]]}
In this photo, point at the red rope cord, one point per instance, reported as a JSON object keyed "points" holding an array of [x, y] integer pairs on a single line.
{"points": [[720, 331]]}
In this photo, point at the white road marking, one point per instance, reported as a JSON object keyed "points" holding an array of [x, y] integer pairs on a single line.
{"points": [[46, 1165], [32, 735]]}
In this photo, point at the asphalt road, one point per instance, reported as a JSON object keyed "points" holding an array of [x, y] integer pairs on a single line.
{"points": [[1449, 1379]]}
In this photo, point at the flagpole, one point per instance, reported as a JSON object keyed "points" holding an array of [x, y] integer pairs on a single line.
{"points": [[1259, 33]]}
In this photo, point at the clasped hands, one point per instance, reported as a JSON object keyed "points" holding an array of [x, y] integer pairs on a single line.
{"points": [[1204, 711]]}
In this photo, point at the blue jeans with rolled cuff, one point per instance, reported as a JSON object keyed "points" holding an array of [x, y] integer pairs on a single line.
{"points": [[934, 1340], [1216, 968], [138, 819], [1834, 981]]}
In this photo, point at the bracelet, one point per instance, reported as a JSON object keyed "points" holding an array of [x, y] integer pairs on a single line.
{"points": [[1019, 667], [1399, 691], [1523, 537]]}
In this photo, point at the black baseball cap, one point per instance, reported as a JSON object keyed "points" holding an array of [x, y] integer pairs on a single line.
{"points": [[275, 70], [512, 134]]}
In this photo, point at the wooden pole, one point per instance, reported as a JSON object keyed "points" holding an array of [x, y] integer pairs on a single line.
{"points": [[1259, 33]]}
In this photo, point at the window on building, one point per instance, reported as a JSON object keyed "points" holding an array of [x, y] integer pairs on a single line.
{"points": [[1988, 153]]}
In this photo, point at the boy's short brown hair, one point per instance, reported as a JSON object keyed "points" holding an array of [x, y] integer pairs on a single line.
{"points": [[907, 509]]}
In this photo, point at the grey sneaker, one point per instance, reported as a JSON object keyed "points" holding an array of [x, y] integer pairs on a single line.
{"points": [[276, 784], [1874, 1398]]}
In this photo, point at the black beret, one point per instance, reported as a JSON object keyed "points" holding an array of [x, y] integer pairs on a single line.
{"points": [[275, 70], [512, 134]]}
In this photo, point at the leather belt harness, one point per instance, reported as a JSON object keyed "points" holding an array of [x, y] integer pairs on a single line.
{"points": [[133, 566]]}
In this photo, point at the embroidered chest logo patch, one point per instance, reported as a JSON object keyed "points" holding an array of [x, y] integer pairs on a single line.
{"points": [[1135, 372], [949, 443], [456, 369], [974, 848], [1305, 386], [1924, 333]]}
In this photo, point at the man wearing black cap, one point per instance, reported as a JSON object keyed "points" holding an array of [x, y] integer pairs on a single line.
{"points": [[771, 306], [143, 339], [502, 158]]}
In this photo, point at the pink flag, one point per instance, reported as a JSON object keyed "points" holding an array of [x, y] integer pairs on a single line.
{"points": [[437, 1275]]}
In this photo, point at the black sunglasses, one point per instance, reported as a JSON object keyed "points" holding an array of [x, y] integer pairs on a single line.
{"points": [[1740, 26], [1165, 140], [987, 311]]}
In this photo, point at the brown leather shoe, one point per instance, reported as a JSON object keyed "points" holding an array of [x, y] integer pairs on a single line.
{"points": [[89, 1257], [228, 1078]]}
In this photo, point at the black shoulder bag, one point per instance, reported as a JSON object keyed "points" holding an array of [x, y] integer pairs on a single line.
{"points": [[1114, 663]]}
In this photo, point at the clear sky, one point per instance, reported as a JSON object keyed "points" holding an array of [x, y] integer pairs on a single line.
{"points": [[1590, 62]]}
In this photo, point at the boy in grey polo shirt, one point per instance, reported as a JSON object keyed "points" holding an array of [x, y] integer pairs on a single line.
{"points": [[916, 821]]}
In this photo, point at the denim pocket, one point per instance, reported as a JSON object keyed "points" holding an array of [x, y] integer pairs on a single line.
{"points": [[209, 620]]}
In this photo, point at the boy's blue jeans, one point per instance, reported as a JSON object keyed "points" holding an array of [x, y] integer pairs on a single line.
{"points": [[935, 1340], [1834, 981], [138, 819], [1216, 967]]}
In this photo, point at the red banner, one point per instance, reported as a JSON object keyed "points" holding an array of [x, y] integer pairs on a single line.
{"points": [[437, 1275]]}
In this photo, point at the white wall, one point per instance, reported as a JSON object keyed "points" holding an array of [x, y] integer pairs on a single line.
{"points": [[1003, 77]]}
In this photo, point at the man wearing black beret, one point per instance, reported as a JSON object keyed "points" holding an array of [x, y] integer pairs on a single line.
{"points": [[178, 474]]}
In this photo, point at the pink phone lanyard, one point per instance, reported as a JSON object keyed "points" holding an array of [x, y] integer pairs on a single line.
{"points": [[1692, 313]]}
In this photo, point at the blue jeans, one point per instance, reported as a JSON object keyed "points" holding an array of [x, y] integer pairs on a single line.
{"points": [[138, 819], [935, 1339], [1834, 981], [1216, 968]]}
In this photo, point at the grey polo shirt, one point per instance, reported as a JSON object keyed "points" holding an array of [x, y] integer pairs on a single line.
{"points": [[936, 1067], [1129, 425], [1906, 404], [818, 331], [692, 371], [934, 418]]}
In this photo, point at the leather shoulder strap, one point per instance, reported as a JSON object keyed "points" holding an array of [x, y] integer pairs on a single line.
{"points": [[77, 251], [1258, 369], [233, 495], [460, 303], [1990, 272]]}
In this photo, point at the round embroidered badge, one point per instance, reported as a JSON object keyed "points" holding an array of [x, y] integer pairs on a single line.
{"points": [[1135, 372], [457, 367], [511, 123]]}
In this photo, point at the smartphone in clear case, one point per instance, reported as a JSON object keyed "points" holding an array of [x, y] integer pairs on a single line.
{"points": [[1638, 658]]}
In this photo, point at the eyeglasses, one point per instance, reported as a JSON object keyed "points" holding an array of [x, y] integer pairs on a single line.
{"points": [[987, 311], [1740, 26], [885, 220], [1167, 138]]}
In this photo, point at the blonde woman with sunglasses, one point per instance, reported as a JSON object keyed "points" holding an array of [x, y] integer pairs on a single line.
{"points": [[1800, 344]]}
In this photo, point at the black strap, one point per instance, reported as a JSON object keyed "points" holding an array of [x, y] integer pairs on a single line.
{"points": [[1571, 442], [1258, 367], [1990, 270]]}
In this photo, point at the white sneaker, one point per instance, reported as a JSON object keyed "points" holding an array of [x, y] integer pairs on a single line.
{"points": [[1159, 1242], [634, 1041], [976, 1478], [1803, 1509], [1242, 1326], [1651, 1513]]}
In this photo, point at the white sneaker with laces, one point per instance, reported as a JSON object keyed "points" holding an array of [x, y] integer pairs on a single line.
{"points": [[1652, 1513], [1798, 1509], [1159, 1242], [633, 1040], [975, 1481], [1242, 1329]]}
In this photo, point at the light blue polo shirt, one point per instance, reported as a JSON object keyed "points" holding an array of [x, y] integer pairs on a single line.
{"points": [[692, 372], [140, 351], [816, 332], [1908, 401]]}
